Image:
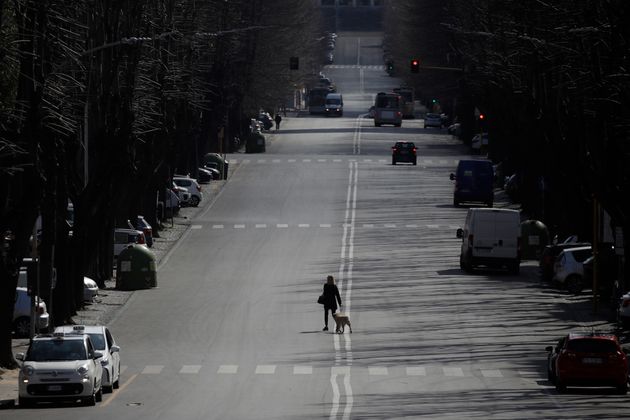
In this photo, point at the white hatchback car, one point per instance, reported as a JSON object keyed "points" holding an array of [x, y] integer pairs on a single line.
{"points": [[192, 186], [60, 367], [568, 270], [104, 342]]}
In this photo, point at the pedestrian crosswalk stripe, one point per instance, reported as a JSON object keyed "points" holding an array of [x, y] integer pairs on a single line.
{"points": [[306, 160], [377, 370], [282, 225], [265, 369], [196, 226], [239, 226], [336, 160], [228, 369], [491, 373], [190, 369], [416, 371], [321, 160], [390, 225], [304, 225], [276, 161], [261, 225], [217, 226], [291, 160], [262, 160], [368, 225], [433, 226], [453, 371], [325, 225], [152, 369], [411, 226], [302, 370], [528, 373]]}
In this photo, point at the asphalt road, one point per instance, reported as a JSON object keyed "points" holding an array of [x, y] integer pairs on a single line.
{"points": [[234, 331]]}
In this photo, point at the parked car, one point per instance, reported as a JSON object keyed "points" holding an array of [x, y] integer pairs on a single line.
{"points": [[124, 237], [22, 313], [60, 367], [455, 129], [548, 257], [222, 164], [140, 223], [568, 271], [205, 175], [491, 237], [104, 342], [192, 186], [256, 143], [266, 120], [432, 120], [479, 141], [588, 359], [171, 203], [404, 151], [90, 289], [474, 182], [182, 193]]}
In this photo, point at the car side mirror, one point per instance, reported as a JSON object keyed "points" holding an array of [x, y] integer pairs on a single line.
{"points": [[114, 349], [452, 177], [19, 356], [548, 349], [460, 233], [97, 355]]}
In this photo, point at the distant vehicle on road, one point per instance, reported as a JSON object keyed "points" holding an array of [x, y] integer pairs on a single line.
{"points": [[404, 151], [388, 109], [568, 270], [474, 179], [432, 120], [491, 238], [334, 104]]}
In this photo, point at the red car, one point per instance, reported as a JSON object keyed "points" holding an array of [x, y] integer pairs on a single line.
{"points": [[588, 359]]}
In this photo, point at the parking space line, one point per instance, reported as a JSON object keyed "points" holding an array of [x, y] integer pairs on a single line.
{"points": [[122, 387]]}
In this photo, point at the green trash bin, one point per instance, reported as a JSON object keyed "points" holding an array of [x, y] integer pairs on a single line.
{"points": [[136, 268], [534, 237]]}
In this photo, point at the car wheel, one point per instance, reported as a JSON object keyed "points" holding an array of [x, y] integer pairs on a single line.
{"points": [[515, 268], [194, 201], [622, 389], [377, 125], [415, 162], [393, 161], [490, 204], [99, 395], [25, 402], [574, 284], [398, 125], [91, 400], [22, 326]]}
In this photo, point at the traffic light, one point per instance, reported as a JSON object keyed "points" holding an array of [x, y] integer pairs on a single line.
{"points": [[415, 65], [294, 63], [481, 117]]}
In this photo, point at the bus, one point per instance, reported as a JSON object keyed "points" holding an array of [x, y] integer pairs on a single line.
{"points": [[388, 109], [317, 100], [407, 95]]}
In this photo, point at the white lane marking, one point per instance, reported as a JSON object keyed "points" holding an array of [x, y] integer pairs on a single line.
{"points": [[306, 160], [349, 397], [427, 161], [377, 371], [292, 160], [190, 369], [321, 160], [152, 369], [302, 370], [239, 226], [433, 226], [453, 371], [282, 225], [382, 160], [261, 225], [367, 160], [340, 370], [336, 396], [276, 160], [228, 369], [411, 226], [368, 225], [491, 373], [262, 160], [217, 226], [324, 225], [528, 373], [337, 160], [196, 227], [246, 161], [390, 225], [416, 371], [304, 225], [265, 369]]}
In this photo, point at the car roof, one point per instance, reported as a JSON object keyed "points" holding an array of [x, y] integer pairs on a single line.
{"points": [[595, 335], [127, 230], [87, 329]]}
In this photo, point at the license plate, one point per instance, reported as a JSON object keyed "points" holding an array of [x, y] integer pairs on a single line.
{"points": [[54, 387], [592, 361]]}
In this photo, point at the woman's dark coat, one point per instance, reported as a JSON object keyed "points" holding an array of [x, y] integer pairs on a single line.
{"points": [[331, 296]]}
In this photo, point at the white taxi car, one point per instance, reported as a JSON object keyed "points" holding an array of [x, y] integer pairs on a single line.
{"points": [[104, 342], [60, 367]]}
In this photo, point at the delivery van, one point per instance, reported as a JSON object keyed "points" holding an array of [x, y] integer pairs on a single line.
{"points": [[474, 182], [334, 104], [492, 238]]}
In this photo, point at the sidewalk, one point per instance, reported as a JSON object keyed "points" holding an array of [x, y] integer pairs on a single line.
{"points": [[110, 300]]}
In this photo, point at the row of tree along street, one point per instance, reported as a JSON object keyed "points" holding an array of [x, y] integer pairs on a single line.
{"points": [[553, 82], [101, 102]]}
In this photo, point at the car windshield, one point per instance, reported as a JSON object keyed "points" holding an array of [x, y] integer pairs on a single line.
{"points": [[405, 145], [98, 340], [56, 350], [387, 101], [589, 345], [333, 101], [433, 116]]}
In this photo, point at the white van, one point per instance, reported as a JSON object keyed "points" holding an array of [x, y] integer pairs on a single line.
{"points": [[491, 237]]}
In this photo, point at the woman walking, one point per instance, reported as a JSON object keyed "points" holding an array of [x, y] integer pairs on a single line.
{"points": [[331, 297]]}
